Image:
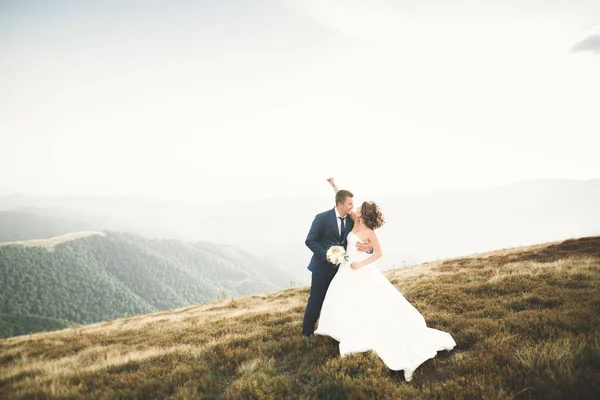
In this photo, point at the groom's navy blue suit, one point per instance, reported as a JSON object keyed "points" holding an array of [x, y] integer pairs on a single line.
{"points": [[322, 235]]}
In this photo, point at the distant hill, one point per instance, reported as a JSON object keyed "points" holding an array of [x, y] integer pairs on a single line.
{"points": [[102, 277], [421, 225], [18, 225], [525, 321], [51, 242]]}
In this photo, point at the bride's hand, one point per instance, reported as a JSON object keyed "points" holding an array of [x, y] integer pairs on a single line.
{"points": [[354, 266]]}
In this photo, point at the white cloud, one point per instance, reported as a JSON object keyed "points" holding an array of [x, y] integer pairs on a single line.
{"points": [[589, 41]]}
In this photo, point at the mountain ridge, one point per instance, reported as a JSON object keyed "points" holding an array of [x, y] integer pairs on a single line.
{"points": [[421, 225]]}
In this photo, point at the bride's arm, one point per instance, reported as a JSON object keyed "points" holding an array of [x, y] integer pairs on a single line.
{"points": [[333, 185], [377, 253], [352, 212]]}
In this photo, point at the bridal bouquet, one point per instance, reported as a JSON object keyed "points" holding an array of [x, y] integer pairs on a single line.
{"points": [[337, 255]]}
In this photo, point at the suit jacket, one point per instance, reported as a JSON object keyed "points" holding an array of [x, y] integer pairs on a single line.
{"points": [[322, 235]]}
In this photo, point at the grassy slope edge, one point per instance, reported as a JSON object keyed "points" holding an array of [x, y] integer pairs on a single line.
{"points": [[525, 321]]}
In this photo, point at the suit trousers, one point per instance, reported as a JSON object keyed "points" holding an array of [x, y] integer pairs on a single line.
{"points": [[318, 288]]}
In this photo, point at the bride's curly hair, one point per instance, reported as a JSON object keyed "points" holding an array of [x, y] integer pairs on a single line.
{"points": [[372, 215]]}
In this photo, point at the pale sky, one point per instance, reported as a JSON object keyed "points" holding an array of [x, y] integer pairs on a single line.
{"points": [[196, 100]]}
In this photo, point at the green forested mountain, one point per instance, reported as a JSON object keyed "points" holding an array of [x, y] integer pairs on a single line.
{"points": [[105, 277]]}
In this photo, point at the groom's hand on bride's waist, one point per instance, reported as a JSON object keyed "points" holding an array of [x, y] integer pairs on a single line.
{"points": [[364, 247]]}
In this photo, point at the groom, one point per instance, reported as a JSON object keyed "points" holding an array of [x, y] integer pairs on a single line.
{"points": [[329, 228]]}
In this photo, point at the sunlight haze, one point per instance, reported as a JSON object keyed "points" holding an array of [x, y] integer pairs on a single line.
{"points": [[201, 101]]}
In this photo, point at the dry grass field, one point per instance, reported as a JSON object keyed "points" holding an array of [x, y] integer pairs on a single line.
{"points": [[526, 322]]}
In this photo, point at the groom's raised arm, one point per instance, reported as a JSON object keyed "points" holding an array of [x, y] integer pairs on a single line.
{"points": [[314, 235]]}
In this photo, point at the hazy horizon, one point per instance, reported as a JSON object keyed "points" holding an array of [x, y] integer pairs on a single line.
{"points": [[201, 101], [419, 227], [325, 193]]}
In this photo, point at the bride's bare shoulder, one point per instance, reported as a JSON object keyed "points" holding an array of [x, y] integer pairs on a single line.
{"points": [[370, 233]]}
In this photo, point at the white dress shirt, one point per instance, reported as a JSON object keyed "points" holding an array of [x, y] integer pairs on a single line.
{"points": [[339, 221]]}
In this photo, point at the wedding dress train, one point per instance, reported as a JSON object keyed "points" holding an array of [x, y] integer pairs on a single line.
{"points": [[363, 311]]}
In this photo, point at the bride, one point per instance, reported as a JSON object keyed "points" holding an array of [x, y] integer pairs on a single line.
{"points": [[363, 311]]}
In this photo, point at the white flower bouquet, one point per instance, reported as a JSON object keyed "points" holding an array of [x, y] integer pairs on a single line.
{"points": [[337, 255]]}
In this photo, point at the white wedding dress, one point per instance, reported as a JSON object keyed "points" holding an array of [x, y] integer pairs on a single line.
{"points": [[363, 311]]}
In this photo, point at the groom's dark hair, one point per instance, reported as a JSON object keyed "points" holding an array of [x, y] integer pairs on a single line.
{"points": [[341, 195]]}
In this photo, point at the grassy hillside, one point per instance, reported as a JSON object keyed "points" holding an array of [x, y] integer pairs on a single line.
{"points": [[526, 323]]}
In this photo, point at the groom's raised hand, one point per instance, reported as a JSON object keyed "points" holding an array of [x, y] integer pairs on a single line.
{"points": [[364, 247]]}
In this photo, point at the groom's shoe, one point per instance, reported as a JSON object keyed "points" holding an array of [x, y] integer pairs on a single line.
{"points": [[397, 374], [308, 333]]}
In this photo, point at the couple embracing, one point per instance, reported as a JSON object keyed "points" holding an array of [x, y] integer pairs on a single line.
{"points": [[355, 304]]}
